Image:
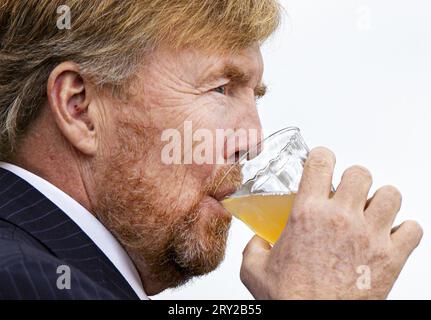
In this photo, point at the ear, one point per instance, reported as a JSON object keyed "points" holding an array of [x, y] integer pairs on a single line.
{"points": [[70, 105]]}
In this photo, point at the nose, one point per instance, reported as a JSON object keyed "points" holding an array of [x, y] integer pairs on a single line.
{"points": [[246, 137]]}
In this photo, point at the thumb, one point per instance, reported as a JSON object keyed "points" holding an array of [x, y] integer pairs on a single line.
{"points": [[254, 257], [256, 246]]}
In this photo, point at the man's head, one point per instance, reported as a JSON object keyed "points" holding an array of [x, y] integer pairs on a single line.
{"points": [[92, 105]]}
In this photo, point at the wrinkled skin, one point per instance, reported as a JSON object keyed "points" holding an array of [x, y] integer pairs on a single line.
{"points": [[333, 243]]}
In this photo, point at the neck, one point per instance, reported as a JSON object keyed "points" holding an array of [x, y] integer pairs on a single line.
{"points": [[44, 152], [152, 286]]}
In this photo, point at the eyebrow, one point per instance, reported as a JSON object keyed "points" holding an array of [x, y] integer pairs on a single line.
{"points": [[238, 77]]}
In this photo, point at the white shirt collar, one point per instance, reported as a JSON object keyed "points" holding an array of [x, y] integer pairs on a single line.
{"points": [[88, 223]]}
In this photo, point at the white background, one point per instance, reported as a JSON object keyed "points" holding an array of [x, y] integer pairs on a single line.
{"points": [[355, 76]]}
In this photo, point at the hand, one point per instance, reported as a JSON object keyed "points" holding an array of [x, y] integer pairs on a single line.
{"points": [[333, 247]]}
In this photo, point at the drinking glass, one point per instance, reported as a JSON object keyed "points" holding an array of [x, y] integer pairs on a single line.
{"points": [[270, 172]]}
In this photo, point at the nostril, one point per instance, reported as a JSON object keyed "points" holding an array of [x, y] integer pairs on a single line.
{"points": [[240, 154]]}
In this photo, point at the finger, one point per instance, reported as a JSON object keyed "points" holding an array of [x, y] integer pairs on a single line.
{"points": [[256, 247], [254, 255], [316, 179], [407, 237], [354, 187], [383, 207]]}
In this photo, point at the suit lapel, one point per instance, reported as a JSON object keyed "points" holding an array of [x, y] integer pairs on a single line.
{"points": [[28, 209]]}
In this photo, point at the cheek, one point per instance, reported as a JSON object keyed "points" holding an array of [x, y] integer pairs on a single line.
{"points": [[215, 111], [210, 111], [177, 187]]}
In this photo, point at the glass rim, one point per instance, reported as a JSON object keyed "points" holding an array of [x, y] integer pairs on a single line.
{"points": [[246, 154], [271, 136]]}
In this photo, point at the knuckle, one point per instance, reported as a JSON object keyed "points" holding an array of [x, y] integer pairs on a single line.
{"points": [[387, 262], [338, 220], [383, 255], [358, 173], [302, 211], [320, 158], [364, 240]]}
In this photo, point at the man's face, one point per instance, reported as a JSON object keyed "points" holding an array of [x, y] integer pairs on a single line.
{"points": [[167, 214]]}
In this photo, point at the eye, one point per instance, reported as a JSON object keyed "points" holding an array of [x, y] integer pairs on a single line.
{"points": [[221, 90]]}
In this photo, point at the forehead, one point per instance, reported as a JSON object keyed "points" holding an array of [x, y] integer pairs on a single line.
{"points": [[198, 65], [246, 65]]}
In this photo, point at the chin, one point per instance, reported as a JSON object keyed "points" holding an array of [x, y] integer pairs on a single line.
{"points": [[202, 247]]}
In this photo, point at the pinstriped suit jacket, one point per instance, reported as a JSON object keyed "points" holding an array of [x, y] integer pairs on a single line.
{"points": [[40, 244]]}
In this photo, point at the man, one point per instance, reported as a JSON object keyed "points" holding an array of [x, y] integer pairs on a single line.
{"points": [[89, 210]]}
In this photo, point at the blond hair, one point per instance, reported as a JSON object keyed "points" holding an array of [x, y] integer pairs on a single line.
{"points": [[108, 39]]}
